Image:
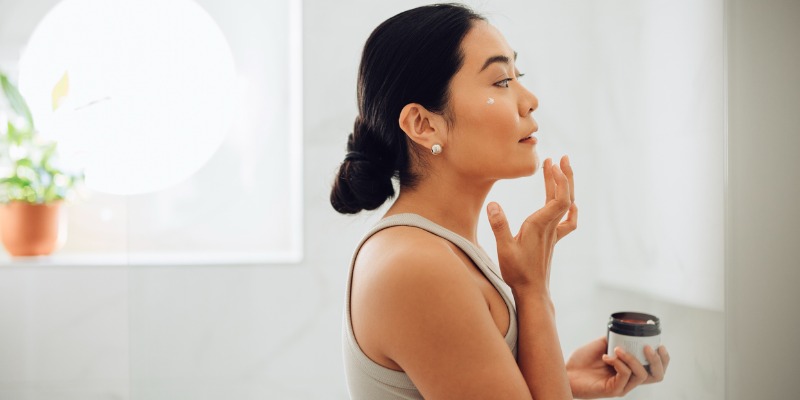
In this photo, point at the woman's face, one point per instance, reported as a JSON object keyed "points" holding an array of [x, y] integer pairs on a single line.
{"points": [[491, 135]]}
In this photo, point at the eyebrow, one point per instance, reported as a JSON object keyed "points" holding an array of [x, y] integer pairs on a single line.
{"points": [[493, 59]]}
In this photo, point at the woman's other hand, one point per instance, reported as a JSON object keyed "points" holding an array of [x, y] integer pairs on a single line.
{"points": [[593, 374], [525, 258]]}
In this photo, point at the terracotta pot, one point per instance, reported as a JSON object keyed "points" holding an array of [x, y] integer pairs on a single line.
{"points": [[29, 229]]}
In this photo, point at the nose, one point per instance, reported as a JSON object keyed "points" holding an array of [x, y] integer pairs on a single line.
{"points": [[528, 102]]}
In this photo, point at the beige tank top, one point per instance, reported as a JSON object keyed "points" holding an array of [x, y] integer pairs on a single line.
{"points": [[367, 379]]}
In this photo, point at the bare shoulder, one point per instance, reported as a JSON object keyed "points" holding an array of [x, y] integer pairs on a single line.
{"points": [[401, 262], [399, 273], [415, 308], [403, 250]]}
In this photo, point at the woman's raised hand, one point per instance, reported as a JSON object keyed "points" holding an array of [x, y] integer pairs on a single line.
{"points": [[525, 258]]}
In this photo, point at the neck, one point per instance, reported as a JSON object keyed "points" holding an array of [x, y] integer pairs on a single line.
{"points": [[454, 203]]}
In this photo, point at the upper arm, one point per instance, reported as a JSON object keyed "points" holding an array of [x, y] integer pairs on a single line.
{"points": [[427, 315]]}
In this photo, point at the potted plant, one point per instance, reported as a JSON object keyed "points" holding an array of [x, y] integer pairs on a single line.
{"points": [[32, 186]]}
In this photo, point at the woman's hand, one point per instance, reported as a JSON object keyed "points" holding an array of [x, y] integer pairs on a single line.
{"points": [[525, 258], [593, 374]]}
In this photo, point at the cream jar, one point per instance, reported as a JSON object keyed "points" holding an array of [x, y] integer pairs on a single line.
{"points": [[632, 331]]}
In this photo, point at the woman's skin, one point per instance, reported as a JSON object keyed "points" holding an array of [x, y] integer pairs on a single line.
{"points": [[419, 304]]}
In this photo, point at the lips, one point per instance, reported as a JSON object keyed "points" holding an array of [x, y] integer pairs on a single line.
{"points": [[529, 139]]}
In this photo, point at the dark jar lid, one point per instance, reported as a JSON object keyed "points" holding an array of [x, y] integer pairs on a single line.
{"points": [[634, 324]]}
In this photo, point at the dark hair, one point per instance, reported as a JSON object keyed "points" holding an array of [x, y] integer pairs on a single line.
{"points": [[409, 58]]}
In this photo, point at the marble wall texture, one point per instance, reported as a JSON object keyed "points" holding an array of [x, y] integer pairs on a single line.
{"points": [[273, 331]]}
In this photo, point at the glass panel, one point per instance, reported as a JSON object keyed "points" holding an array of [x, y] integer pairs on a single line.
{"points": [[124, 125]]}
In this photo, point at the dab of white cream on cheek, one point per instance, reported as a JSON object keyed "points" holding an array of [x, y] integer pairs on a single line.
{"points": [[490, 101]]}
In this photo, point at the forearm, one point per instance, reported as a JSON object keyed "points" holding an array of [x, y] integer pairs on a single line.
{"points": [[539, 354]]}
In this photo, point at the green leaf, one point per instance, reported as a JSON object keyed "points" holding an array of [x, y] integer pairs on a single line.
{"points": [[25, 162], [29, 195], [29, 174], [10, 129], [15, 100], [50, 192], [14, 181], [18, 136], [49, 151], [13, 135]]}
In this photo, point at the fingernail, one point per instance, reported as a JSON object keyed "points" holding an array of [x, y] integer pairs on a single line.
{"points": [[493, 209]]}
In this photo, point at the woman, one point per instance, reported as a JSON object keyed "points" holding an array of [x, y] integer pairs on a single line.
{"points": [[442, 111]]}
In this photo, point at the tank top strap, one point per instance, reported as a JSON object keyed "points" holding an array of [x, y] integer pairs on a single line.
{"points": [[475, 253]]}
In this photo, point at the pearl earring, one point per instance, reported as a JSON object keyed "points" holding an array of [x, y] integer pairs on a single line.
{"points": [[436, 149]]}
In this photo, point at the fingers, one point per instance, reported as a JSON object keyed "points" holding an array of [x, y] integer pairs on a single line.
{"points": [[662, 351], [616, 385], [656, 367], [549, 184], [658, 363], [562, 183], [562, 187], [629, 372], [562, 198], [499, 224], [567, 168], [638, 373], [559, 184], [557, 199], [568, 225]]}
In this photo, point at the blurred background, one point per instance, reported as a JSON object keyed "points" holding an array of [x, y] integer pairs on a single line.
{"points": [[680, 118]]}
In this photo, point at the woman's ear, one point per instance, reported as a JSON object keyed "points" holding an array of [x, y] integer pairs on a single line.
{"points": [[422, 126]]}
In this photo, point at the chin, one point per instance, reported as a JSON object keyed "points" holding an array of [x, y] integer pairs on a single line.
{"points": [[534, 165], [522, 167], [527, 170]]}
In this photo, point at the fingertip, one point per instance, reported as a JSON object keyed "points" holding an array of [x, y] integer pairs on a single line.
{"points": [[559, 173], [498, 222], [493, 209], [567, 167], [662, 351]]}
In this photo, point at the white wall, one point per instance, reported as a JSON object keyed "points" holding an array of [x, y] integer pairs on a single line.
{"points": [[273, 331], [763, 195]]}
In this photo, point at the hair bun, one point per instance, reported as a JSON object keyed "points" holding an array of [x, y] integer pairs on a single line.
{"points": [[363, 182]]}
